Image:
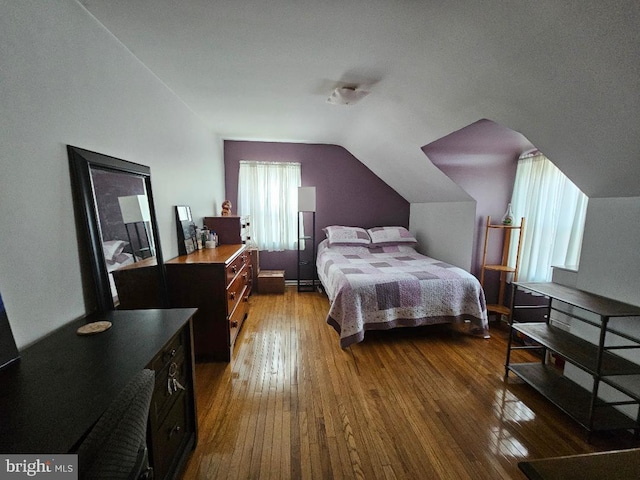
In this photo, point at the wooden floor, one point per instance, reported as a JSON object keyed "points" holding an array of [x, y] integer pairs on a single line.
{"points": [[423, 403]]}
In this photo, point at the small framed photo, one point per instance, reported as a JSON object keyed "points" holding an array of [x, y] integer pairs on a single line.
{"points": [[186, 229]]}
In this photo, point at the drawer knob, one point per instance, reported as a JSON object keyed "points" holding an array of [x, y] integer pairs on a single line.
{"points": [[174, 430], [234, 324], [170, 354], [234, 269], [232, 295]]}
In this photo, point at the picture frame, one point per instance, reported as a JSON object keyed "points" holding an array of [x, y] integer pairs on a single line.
{"points": [[186, 230]]}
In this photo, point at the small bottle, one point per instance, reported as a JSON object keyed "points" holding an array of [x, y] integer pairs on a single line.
{"points": [[507, 219], [198, 240]]}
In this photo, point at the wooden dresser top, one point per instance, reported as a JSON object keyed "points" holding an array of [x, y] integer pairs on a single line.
{"points": [[220, 254]]}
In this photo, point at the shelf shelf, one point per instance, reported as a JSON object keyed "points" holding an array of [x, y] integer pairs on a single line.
{"points": [[500, 268], [571, 398], [578, 351], [627, 384], [505, 227], [501, 309], [597, 304]]}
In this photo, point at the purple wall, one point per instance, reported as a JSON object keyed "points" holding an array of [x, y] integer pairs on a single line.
{"points": [[108, 186], [347, 192], [482, 159]]}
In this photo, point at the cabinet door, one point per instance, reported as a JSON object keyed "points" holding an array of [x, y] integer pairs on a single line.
{"points": [[228, 229], [172, 422]]}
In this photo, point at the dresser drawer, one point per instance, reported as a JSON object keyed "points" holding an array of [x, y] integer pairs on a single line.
{"points": [[237, 287], [168, 353], [237, 317], [166, 390], [235, 266], [169, 437]]}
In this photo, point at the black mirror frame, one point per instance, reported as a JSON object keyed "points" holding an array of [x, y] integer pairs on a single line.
{"points": [[81, 161]]}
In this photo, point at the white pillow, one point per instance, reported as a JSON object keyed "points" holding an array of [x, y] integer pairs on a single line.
{"points": [[387, 236], [111, 249], [340, 235]]}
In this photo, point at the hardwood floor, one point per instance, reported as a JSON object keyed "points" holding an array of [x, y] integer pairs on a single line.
{"points": [[423, 403]]}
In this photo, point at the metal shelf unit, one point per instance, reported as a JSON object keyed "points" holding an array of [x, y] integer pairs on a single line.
{"points": [[600, 360]]}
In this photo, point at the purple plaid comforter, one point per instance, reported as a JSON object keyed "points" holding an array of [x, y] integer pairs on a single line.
{"points": [[387, 287]]}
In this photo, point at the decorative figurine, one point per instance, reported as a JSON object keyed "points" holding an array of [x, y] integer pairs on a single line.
{"points": [[226, 208]]}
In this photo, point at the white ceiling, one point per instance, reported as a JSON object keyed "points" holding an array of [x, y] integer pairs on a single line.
{"points": [[566, 74]]}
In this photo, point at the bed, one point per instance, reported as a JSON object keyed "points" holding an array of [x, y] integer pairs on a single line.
{"points": [[376, 280]]}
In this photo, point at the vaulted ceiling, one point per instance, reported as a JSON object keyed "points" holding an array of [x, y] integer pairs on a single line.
{"points": [[564, 74]]}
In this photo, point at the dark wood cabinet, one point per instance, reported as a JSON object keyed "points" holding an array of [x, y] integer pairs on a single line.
{"points": [[230, 230], [218, 282], [171, 405], [62, 384]]}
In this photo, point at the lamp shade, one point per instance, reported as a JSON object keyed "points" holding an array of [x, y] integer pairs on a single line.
{"points": [[134, 208], [306, 199]]}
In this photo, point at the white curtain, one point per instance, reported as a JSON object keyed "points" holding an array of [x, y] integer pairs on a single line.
{"points": [[554, 210], [268, 191]]}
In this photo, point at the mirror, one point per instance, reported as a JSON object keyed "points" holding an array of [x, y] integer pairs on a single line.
{"points": [[187, 236], [113, 198]]}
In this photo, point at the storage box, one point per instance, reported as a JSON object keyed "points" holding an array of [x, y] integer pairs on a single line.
{"points": [[271, 281]]}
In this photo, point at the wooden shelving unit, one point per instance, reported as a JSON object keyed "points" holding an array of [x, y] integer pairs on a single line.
{"points": [[504, 233], [600, 360]]}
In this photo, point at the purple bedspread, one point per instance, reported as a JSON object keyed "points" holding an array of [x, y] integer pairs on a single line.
{"points": [[387, 287]]}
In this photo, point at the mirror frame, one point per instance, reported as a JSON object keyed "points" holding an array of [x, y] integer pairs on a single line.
{"points": [[81, 162]]}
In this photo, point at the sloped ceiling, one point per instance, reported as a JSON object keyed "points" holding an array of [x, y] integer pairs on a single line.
{"points": [[565, 74]]}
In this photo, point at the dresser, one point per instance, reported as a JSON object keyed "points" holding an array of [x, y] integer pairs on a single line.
{"points": [[62, 384], [218, 282]]}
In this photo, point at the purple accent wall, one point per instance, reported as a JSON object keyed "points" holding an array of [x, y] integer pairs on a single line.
{"points": [[347, 192], [482, 159]]}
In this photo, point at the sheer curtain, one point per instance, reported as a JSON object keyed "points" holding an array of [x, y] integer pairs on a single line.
{"points": [[268, 192], [554, 210]]}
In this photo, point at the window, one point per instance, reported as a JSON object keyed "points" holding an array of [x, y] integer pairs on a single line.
{"points": [[554, 210], [268, 191]]}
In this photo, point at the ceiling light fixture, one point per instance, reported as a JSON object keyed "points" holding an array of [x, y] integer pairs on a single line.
{"points": [[347, 95]]}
